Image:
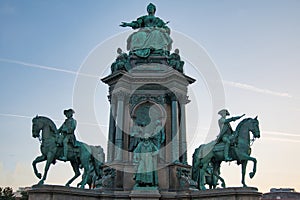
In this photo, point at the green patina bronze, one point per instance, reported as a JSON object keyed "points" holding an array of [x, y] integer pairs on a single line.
{"points": [[147, 118], [175, 61], [121, 63], [145, 155], [211, 155], [67, 131], [55, 146], [153, 35], [226, 133]]}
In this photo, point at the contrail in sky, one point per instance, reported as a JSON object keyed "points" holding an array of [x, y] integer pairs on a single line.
{"points": [[56, 120], [45, 67], [281, 134], [255, 89], [230, 83], [13, 115]]}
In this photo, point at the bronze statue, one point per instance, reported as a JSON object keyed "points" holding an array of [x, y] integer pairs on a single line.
{"points": [[153, 34], [79, 155], [213, 152], [67, 130], [212, 176], [121, 63], [136, 132], [226, 132], [159, 137], [95, 172], [145, 155], [175, 61]]}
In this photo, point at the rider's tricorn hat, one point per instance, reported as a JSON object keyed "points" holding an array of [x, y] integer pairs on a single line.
{"points": [[223, 112], [69, 111]]}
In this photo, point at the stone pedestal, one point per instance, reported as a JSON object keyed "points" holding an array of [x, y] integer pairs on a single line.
{"points": [[224, 194], [151, 92], [54, 192], [143, 194]]}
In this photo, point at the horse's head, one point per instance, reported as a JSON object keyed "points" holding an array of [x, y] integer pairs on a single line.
{"points": [[45, 124], [36, 127], [254, 127]]}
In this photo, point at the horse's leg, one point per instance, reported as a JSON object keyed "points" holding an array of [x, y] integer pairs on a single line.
{"points": [[244, 165], [78, 184], [50, 158], [76, 171], [202, 172], [85, 160], [247, 157], [86, 177], [251, 174], [38, 160], [216, 173]]}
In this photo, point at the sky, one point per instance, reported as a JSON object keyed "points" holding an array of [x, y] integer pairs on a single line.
{"points": [[54, 53]]}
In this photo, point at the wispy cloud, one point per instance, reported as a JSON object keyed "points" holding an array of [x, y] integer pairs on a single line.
{"points": [[281, 136], [55, 120], [282, 139], [256, 89], [14, 115], [45, 67], [276, 133]]}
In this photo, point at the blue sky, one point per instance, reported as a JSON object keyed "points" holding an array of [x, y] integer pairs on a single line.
{"points": [[254, 45]]}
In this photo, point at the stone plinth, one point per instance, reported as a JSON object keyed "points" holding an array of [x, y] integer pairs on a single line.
{"points": [[143, 194], [53, 192], [225, 194]]}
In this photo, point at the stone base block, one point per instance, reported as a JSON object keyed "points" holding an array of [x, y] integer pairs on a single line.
{"points": [[53, 192], [144, 195], [226, 194]]}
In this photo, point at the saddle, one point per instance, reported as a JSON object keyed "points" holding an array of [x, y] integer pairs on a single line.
{"points": [[59, 142]]}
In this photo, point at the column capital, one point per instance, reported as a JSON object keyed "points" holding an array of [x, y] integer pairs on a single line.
{"points": [[183, 99], [119, 95]]}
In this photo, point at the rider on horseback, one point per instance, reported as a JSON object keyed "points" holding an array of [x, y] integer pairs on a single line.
{"points": [[67, 129], [226, 131]]}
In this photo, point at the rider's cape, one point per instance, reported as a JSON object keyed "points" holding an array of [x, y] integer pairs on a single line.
{"points": [[206, 149]]}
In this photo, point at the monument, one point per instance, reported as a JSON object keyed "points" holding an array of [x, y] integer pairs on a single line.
{"points": [[147, 146]]}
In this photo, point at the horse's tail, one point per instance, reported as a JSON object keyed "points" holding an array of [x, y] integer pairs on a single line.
{"points": [[98, 153], [195, 165], [85, 152], [98, 159], [200, 153]]}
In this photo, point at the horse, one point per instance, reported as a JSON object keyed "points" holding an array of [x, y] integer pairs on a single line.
{"points": [[213, 153], [78, 156], [96, 168]]}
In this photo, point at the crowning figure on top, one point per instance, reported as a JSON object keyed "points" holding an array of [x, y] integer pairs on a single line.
{"points": [[153, 35]]}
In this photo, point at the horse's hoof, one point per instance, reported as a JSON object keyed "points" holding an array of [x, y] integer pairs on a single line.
{"points": [[223, 185], [244, 185], [39, 175], [41, 182], [67, 185], [251, 174], [202, 188]]}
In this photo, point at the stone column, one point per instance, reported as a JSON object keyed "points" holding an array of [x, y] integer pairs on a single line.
{"points": [[183, 144], [112, 130], [174, 129], [119, 126]]}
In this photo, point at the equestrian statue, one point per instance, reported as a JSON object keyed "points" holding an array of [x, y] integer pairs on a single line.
{"points": [[229, 146], [61, 144]]}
